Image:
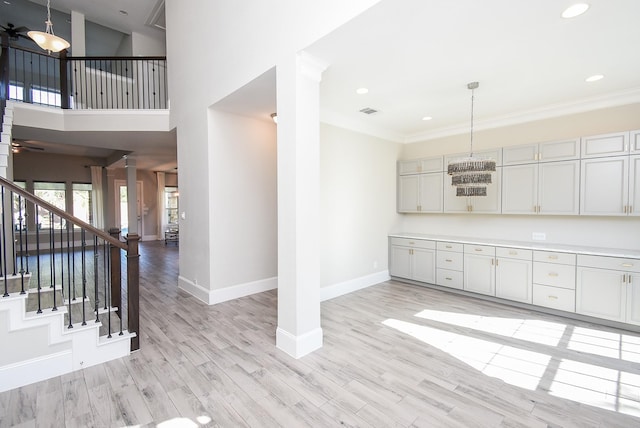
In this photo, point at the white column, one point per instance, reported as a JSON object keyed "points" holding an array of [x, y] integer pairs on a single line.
{"points": [[298, 80], [78, 40], [132, 195]]}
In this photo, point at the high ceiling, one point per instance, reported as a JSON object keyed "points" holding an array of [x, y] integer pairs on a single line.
{"points": [[417, 56]]}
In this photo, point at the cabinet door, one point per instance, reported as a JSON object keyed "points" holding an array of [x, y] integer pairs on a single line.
{"points": [[634, 185], [479, 274], [453, 203], [431, 192], [492, 202], [604, 185], [514, 279], [520, 189], [400, 263], [605, 145], [633, 298], [559, 188], [424, 265], [408, 193], [635, 142], [409, 167], [519, 154], [601, 293], [559, 150]]}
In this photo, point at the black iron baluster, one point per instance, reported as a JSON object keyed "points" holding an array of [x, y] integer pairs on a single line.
{"points": [[22, 250], [52, 262], [95, 275], [4, 246], [73, 262], [69, 274], [107, 280], [104, 268], [84, 276], [38, 260], [13, 236]]}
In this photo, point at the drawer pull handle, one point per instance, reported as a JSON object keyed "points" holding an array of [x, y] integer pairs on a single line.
{"points": [[448, 279], [448, 260], [553, 297], [553, 274], [478, 249], [553, 257], [448, 246], [513, 253], [411, 243], [627, 264]]}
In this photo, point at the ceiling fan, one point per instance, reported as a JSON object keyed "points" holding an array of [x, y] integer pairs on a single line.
{"points": [[20, 146], [14, 32]]}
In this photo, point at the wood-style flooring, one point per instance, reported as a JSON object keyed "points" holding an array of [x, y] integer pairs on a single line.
{"points": [[395, 355]]}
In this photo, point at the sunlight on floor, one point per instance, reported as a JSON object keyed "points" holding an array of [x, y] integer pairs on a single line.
{"points": [[598, 386], [514, 366], [594, 385], [185, 422], [606, 344], [537, 331]]}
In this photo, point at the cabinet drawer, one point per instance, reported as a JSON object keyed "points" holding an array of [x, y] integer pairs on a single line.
{"points": [[449, 260], [415, 243], [514, 253], [480, 249], [556, 275], [450, 246], [420, 165], [449, 278], [556, 298], [551, 257], [616, 263]]}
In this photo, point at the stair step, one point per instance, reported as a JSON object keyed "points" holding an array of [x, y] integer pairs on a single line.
{"points": [[15, 283]]}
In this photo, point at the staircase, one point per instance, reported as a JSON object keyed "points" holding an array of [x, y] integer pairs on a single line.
{"points": [[63, 303]]}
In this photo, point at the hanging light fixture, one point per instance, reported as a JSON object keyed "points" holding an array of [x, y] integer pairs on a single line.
{"points": [[471, 175], [46, 39]]}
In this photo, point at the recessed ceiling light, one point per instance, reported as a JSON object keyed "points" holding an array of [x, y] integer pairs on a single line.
{"points": [[124, 12], [7, 2], [362, 91], [575, 10], [594, 78], [427, 118]]}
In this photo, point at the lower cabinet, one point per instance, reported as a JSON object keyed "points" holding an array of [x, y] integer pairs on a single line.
{"points": [[609, 288], [413, 259], [449, 265], [554, 280], [479, 269], [514, 274]]}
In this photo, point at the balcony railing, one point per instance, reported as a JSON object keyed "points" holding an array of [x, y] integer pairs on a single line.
{"points": [[82, 82]]}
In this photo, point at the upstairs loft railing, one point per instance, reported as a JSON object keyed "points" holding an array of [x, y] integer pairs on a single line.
{"points": [[82, 82], [70, 264]]}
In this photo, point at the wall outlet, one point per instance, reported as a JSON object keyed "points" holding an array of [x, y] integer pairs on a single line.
{"points": [[539, 236]]}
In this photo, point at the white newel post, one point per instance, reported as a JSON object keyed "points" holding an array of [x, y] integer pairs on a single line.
{"points": [[298, 79]]}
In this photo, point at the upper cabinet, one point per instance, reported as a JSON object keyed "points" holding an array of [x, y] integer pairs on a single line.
{"points": [[418, 166], [420, 193], [542, 152], [495, 154], [634, 142], [598, 146], [489, 204]]}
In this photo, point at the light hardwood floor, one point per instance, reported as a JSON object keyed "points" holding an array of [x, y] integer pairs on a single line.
{"points": [[395, 355]]}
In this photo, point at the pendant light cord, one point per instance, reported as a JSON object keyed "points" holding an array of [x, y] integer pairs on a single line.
{"points": [[471, 144]]}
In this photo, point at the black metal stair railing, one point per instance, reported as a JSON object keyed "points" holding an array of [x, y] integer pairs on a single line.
{"points": [[77, 267], [82, 82]]}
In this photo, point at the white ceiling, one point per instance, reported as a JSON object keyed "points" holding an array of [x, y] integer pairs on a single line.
{"points": [[417, 56]]}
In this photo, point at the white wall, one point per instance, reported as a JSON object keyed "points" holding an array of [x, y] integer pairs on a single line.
{"points": [[357, 203], [611, 232], [237, 42], [243, 199], [143, 45]]}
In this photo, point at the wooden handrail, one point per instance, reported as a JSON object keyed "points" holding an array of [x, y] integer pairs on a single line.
{"points": [[61, 213]]}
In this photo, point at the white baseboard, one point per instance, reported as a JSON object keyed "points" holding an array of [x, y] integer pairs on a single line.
{"points": [[298, 346], [211, 297], [35, 370], [346, 287], [150, 238]]}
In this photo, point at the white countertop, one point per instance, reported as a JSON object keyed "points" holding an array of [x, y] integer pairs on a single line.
{"points": [[542, 246]]}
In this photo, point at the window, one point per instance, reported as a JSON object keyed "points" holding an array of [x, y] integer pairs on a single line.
{"points": [[49, 98], [171, 204], [16, 92], [55, 194], [82, 207]]}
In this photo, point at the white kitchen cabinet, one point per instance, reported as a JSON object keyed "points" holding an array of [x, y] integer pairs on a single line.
{"points": [[514, 274], [479, 269], [417, 166], [541, 188], [607, 288], [450, 265], [413, 259], [598, 146], [633, 208], [420, 193], [634, 142], [554, 280], [604, 186], [542, 152], [490, 204]]}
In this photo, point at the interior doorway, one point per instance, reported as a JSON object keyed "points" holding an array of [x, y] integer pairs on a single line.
{"points": [[122, 207]]}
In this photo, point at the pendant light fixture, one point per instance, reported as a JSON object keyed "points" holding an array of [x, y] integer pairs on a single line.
{"points": [[46, 39], [471, 175]]}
